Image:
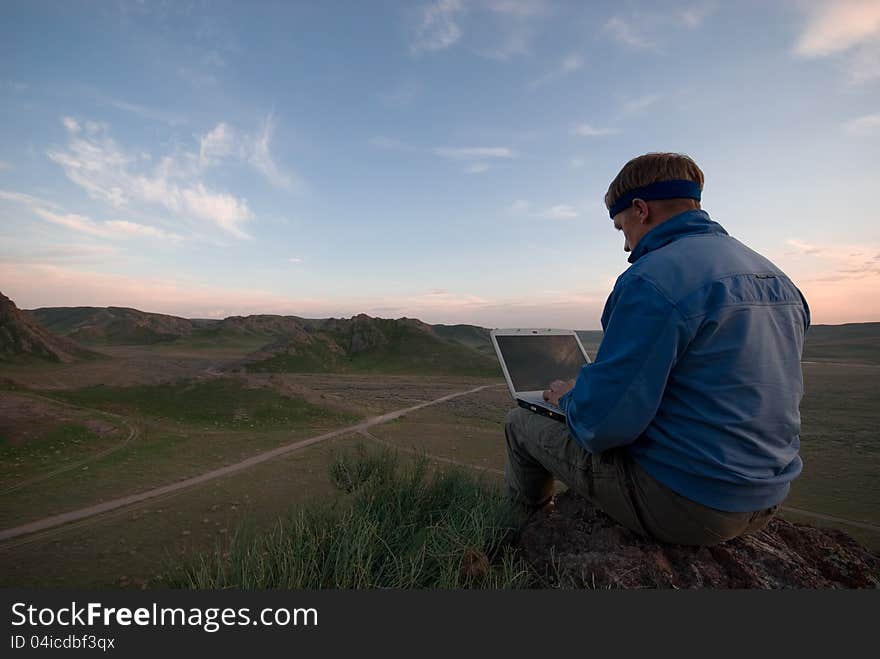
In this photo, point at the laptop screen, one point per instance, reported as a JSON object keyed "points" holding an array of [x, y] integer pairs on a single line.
{"points": [[533, 362]]}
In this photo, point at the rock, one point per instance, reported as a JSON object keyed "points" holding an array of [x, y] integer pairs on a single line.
{"points": [[576, 545]]}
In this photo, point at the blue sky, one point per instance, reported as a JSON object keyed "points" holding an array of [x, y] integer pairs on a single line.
{"points": [[441, 160]]}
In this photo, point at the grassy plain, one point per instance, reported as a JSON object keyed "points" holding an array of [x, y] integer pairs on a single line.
{"points": [[189, 418]]}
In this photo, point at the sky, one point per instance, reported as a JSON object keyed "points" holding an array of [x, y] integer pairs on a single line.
{"points": [[444, 160]]}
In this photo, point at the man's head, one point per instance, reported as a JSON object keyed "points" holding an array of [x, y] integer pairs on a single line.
{"points": [[675, 173]]}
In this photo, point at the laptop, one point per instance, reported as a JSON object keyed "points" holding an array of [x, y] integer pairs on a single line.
{"points": [[532, 358]]}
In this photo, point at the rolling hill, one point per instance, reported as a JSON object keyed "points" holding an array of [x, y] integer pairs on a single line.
{"points": [[374, 345], [21, 338]]}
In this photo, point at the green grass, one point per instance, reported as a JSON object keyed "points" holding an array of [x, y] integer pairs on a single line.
{"points": [[400, 527], [221, 402]]}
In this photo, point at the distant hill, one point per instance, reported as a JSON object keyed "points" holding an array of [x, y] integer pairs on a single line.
{"points": [[854, 342], [375, 345], [21, 338], [112, 325], [471, 336]]}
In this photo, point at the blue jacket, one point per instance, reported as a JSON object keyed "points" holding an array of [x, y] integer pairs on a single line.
{"points": [[699, 370]]}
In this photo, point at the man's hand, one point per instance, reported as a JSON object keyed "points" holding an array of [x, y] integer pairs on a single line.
{"points": [[557, 389]]}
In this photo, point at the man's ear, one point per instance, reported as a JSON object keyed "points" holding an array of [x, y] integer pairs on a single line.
{"points": [[643, 211]]}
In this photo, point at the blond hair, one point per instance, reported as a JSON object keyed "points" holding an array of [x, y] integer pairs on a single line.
{"points": [[651, 168]]}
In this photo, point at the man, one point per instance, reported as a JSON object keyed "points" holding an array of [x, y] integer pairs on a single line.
{"points": [[686, 426]]}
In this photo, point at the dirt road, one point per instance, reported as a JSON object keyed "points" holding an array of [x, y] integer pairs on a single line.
{"points": [[114, 504]]}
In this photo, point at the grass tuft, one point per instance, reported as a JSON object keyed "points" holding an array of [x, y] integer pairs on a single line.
{"points": [[400, 527]]}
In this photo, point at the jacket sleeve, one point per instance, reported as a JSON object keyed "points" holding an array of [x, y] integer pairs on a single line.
{"points": [[616, 397]]}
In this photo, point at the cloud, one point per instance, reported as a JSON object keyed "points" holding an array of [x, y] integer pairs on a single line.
{"points": [[71, 221], [867, 125], [576, 163], [474, 152], [846, 28], [26, 199], [112, 229], [476, 168], [840, 262], [4, 165], [124, 228], [625, 32], [519, 207], [587, 130], [643, 30], [568, 65], [295, 259], [837, 26], [261, 158], [641, 103], [804, 248], [224, 142], [693, 17], [124, 180], [217, 144], [560, 212], [153, 114], [70, 124], [438, 27]]}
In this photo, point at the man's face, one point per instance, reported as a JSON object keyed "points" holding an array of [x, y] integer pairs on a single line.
{"points": [[634, 222], [623, 221]]}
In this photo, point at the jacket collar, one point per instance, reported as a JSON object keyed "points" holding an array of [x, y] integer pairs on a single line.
{"points": [[689, 223]]}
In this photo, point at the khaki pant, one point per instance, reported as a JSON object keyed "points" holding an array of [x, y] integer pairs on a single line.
{"points": [[539, 449]]}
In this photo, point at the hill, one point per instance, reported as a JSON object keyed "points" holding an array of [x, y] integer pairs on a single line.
{"points": [[22, 338], [112, 325], [375, 345]]}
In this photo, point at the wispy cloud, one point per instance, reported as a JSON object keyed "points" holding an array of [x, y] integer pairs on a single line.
{"points": [[152, 114], [837, 26], [522, 207], [295, 259], [474, 152], [848, 28], [642, 29], [224, 142], [110, 229], [4, 165], [110, 174], [560, 212], [567, 66], [477, 168], [641, 103], [694, 16], [804, 248], [438, 26], [861, 126], [71, 124], [261, 158], [588, 130], [626, 32], [519, 207]]}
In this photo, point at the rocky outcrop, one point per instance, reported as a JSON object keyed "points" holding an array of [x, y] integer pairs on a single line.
{"points": [[21, 337], [573, 544]]}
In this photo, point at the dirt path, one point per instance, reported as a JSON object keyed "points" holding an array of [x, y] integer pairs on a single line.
{"points": [[133, 433], [82, 513]]}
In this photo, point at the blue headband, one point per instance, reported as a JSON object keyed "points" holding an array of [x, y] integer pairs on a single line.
{"points": [[677, 189]]}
